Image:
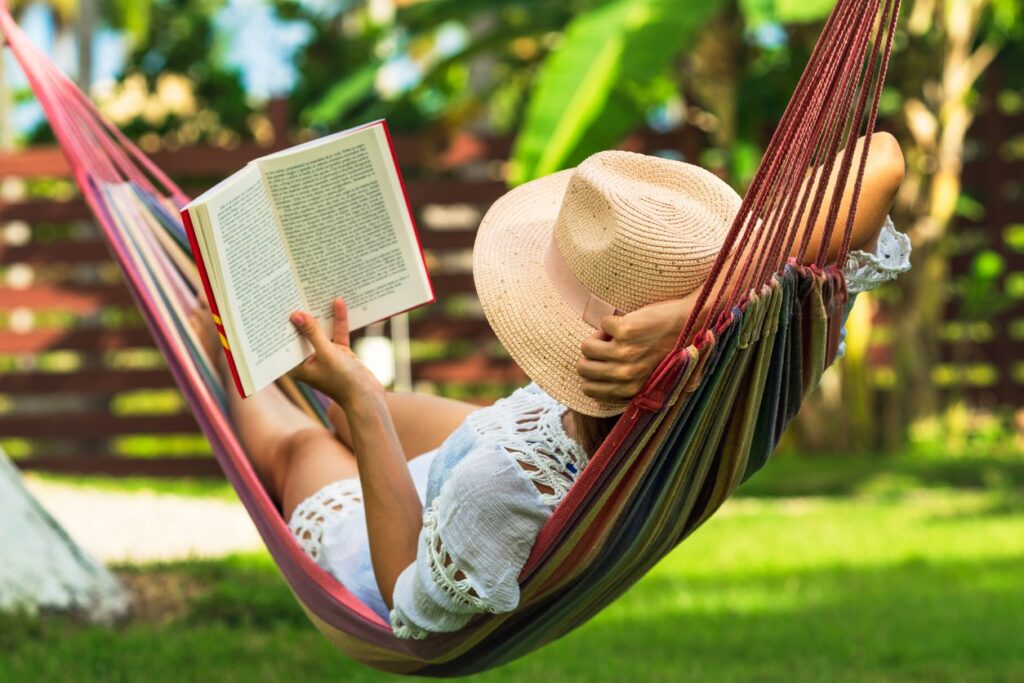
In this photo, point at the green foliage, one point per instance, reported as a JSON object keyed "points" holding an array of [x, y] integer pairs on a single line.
{"points": [[1014, 237], [1006, 20], [347, 42], [337, 66], [980, 289], [759, 12], [343, 96], [961, 433], [136, 18], [186, 43], [595, 88], [603, 79]]}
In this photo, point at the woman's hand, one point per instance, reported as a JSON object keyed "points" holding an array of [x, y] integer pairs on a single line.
{"points": [[333, 368], [619, 357], [394, 515]]}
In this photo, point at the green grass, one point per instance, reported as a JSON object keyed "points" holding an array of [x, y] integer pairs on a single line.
{"points": [[905, 572], [202, 487]]}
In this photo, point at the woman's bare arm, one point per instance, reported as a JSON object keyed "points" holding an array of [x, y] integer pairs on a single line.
{"points": [[394, 515], [617, 360], [883, 176]]}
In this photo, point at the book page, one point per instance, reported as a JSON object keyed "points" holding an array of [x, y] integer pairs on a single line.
{"points": [[344, 217], [258, 281]]}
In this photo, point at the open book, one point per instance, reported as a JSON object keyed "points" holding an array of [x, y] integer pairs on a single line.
{"points": [[293, 231]]}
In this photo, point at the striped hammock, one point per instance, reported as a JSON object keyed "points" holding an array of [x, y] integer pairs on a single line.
{"points": [[707, 419]]}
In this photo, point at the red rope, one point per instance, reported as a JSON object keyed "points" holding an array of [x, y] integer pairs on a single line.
{"points": [[816, 139]]}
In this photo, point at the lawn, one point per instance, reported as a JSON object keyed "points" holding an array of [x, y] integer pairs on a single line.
{"points": [[905, 571]]}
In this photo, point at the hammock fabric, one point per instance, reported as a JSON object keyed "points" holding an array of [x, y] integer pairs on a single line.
{"points": [[707, 419]]}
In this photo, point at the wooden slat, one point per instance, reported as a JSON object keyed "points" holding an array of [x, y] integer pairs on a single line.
{"points": [[45, 211], [447, 239], [94, 424], [49, 161], [200, 466], [447, 329], [34, 161], [77, 340], [472, 370], [65, 251], [78, 299], [445, 284], [79, 251], [84, 382], [454, 191], [412, 151]]}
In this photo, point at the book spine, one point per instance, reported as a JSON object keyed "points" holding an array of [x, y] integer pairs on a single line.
{"points": [[408, 210], [198, 255]]}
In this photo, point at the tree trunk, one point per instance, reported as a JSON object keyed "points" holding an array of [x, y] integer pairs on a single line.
{"points": [[41, 568], [85, 29], [938, 114]]}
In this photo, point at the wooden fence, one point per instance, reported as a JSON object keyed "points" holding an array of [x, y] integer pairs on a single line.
{"points": [[983, 341], [82, 389], [981, 360]]}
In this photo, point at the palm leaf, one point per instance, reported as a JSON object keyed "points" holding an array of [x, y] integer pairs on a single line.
{"points": [[343, 96], [589, 90]]}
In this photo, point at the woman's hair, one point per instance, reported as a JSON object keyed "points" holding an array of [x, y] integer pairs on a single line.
{"points": [[592, 431]]}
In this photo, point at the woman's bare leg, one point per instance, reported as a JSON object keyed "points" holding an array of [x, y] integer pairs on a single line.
{"points": [[422, 421], [294, 455]]}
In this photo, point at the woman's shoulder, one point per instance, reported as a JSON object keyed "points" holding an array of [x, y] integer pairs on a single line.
{"points": [[526, 410], [523, 430]]}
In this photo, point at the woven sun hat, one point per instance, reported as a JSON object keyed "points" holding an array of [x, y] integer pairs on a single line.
{"points": [[620, 231]]}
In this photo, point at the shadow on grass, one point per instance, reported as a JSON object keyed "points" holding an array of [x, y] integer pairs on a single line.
{"points": [[918, 620]]}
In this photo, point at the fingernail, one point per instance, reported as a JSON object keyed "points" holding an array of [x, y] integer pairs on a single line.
{"points": [[296, 318]]}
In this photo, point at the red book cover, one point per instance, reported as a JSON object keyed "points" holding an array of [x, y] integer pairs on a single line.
{"points": [[193, 242], [408, 209]]}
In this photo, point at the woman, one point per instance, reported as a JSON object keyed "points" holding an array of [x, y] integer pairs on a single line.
{"points": [[426, 508]]}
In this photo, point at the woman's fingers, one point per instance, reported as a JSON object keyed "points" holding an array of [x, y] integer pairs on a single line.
{"points": [[611, 391], [311, 330], [596, 347], [341, 335], [603, 371]]}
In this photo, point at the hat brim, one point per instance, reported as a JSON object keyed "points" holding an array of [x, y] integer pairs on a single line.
{"points": [[540, 330]]}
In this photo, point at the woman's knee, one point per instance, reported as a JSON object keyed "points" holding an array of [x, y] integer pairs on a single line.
{"points": [[311, 453]]}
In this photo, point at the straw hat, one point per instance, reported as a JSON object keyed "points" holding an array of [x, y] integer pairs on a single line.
{"points": [[618, 232]]}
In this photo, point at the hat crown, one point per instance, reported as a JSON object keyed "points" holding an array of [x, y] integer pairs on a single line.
{"points": [[636, 229]]}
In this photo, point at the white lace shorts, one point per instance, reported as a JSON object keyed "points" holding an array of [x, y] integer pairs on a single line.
{"points": [[337, 500]]}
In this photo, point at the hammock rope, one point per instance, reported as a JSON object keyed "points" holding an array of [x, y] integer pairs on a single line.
{"points": [[706, 420]]}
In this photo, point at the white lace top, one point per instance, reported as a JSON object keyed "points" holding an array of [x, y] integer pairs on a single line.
{"points": [[503, 488], [866, 270], [487, 491]]}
